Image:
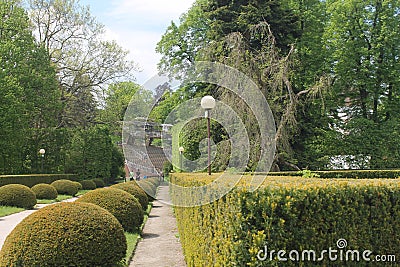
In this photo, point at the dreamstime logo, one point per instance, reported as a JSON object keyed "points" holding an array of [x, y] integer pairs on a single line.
{"points": [[137, 131], [340, 253]]}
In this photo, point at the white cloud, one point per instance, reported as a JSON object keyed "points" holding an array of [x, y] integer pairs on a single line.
{"points": [[138, 25], [162, 9]]}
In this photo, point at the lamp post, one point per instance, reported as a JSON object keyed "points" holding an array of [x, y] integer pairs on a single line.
{"points": [[208, 103], [42, 151], [181, 150]]}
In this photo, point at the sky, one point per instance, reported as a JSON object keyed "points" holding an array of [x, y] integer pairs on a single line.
{"points": [[137, 26]]}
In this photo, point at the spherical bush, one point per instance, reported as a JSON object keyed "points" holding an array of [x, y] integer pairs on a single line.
{"points": [[78, 184], [88, 185], [125, 207], [66, 234], [99, 182], [133, 189], [17, 195], [45, 191], [149, 188], [154, 181], [65, 187]]}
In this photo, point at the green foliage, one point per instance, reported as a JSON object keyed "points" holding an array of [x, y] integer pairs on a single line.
{"points": [[91, 154], [66, 234], [282, 215], [45, 191], [29, 93], [66, 187], [17, 195], [88, 184], [167, 168], [99, 182], [134, 189], [124, 206]]}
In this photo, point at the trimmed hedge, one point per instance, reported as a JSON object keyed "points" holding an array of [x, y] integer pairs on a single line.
{"points": [[66, 187], [134, 189], [17, 195], [45, 191], [125, 207], [88, 184], [99, 182], [354, 174], [66, 234], [290, 214], [31, 180]]}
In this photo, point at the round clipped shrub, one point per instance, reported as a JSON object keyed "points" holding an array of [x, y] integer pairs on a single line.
{"points": [[133, 189], [99, 182], [154, 181], [88, 185], [66, 234], [125, 207], [17, 195], [149, 188], [65, 187], [78, 184], [45, 191]]}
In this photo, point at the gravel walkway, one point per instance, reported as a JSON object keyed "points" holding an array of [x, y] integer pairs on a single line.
{"points": [[160, 246]]}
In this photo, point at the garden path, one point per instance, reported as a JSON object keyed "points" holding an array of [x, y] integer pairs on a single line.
{"points": [[160, 244], [8, 223]]}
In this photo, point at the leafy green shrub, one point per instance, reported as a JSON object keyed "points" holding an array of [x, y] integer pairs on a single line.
{"points": [[66, 234], [167, 168], [289, 213], [133, 189], [45, 191], [88, 184], [65, 187], [17, 195], [125, 207], [99, 182]]}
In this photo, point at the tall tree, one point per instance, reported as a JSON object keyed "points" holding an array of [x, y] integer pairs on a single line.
{"points": [[85, 63], [252, 36], [363, 40], [29, 93]]}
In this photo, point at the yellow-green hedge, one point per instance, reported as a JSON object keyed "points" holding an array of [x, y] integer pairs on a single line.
{"points": [[290, 213], [355, 174]]}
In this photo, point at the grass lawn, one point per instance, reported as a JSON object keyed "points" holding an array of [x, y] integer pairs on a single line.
{"points": [[5, 210], [61, 198]]}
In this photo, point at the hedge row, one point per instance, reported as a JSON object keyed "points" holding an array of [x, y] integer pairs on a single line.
{"points": [[33, 179], [354, 174], [291, 214]]}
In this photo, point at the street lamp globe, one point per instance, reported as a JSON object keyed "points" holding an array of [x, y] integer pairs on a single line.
{"points": [[181, 149], [208, 102], [42, 152]]}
